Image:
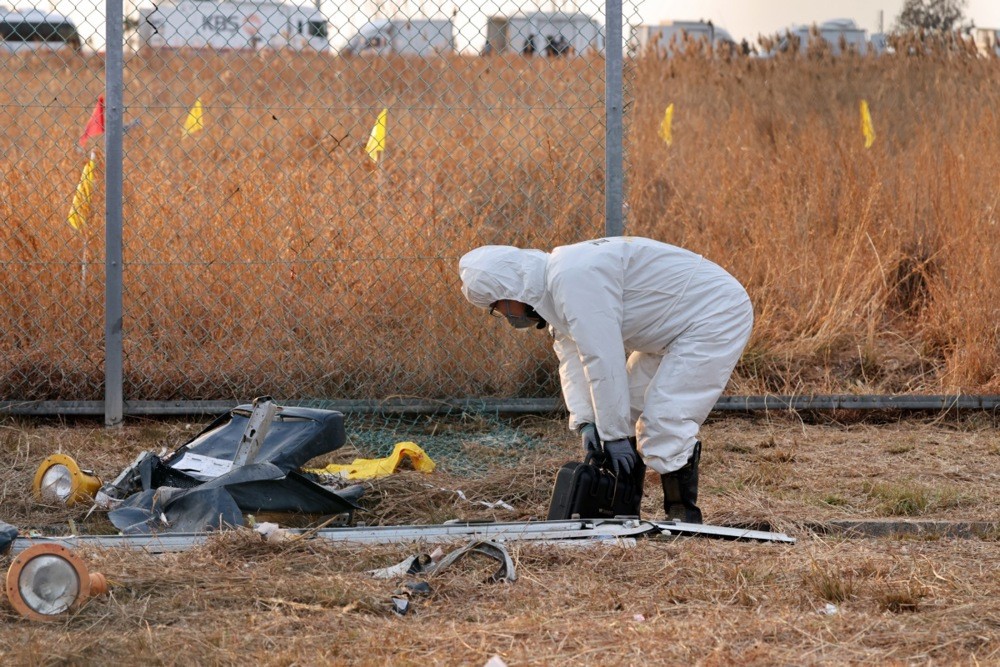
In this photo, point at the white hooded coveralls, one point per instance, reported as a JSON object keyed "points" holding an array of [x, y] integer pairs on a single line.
{"points": [[681, 319]]}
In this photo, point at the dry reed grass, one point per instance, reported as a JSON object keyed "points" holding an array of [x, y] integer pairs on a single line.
{"points": [[239, 600], [871, 271]]}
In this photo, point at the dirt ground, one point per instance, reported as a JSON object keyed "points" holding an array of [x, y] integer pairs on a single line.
{"points": [[831, 598]]}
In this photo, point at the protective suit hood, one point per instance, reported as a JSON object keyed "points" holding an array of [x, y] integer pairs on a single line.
{"points": [[495, 272]]}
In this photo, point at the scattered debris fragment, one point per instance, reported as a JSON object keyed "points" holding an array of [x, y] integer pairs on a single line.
{"points": [[401, 597], [497, 504], [272, 532], [494, 550], [410, 565], [417, 587], [436, 562], [400, 604]]}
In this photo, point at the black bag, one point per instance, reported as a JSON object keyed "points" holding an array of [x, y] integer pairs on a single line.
{"points": [[585, 490]]}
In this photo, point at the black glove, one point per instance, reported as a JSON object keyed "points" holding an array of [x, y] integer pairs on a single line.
{"points": [[590, 440], [621, 456]]}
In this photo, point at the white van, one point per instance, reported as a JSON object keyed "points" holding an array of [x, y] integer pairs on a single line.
{"points": [[669, 37], [987, 41], [238, 26], [35, 30], [403, 36], [544, 34], [835, 33]]}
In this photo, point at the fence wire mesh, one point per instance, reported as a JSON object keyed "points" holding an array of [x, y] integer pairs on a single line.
{"points": [[462, 442], [299, 183]]}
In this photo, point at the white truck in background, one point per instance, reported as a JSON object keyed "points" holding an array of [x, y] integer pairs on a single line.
{"points": [[669, 37], [544, 34], [987, 41], [224, 26], [36, 30], [402, 36], [839, 34]]}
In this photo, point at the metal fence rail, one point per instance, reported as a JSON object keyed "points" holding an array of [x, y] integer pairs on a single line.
{"points": [[925, 403]]}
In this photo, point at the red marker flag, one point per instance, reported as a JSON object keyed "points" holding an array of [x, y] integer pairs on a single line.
{"points": [[95, 126]]}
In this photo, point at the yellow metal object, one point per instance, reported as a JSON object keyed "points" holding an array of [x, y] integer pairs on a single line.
{"points": [[372, 468], [61, 480]]}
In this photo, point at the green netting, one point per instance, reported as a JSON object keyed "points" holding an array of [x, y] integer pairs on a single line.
{"points": [[461, 442]]}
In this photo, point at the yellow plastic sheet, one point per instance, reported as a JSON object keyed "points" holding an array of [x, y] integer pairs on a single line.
{"points": [[372, 468]]}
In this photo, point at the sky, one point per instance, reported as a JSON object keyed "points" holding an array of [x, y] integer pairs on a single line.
{"points": [[741, 18], [749, 18]]}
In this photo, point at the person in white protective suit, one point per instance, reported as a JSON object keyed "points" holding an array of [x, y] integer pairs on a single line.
{"points": [[647, 335]]}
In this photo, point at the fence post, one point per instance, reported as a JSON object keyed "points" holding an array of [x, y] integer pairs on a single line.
{"points": [[114, 94], [613, 91]]}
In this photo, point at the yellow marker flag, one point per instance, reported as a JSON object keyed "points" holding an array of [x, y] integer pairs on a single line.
{"points": [[80, 210], [867, 129], [665, 130], [195, 120], [376, 141]]}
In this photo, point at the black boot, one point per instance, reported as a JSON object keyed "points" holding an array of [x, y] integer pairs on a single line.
{"points": [[680, 490]]}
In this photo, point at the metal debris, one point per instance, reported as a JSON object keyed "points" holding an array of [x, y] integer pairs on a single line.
{"points": [[494, 550], [579, 529], [247, 460]]}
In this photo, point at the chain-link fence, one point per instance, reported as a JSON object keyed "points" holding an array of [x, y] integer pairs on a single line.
{"points": [[298, 183], [272, 199]]}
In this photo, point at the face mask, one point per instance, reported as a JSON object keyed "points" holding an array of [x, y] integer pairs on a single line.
{"points": [[531, 318], [521, 321]]}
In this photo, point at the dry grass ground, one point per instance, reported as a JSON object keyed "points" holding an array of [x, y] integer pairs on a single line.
{"points": [[239, 600]]}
